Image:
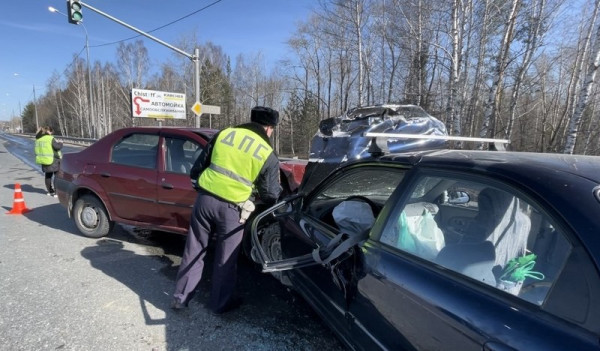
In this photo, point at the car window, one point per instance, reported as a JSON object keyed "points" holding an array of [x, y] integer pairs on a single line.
{"points": [[371, 186], [366, 182], [137, 150], [487, 232], [425, 187], [179, 154]]}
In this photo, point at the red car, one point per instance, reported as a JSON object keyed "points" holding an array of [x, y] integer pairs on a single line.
{"points": [[139, 176]]}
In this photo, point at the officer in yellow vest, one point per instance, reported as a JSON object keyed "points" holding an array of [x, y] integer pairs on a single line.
{"points": [[236, 162], [48, 154]]}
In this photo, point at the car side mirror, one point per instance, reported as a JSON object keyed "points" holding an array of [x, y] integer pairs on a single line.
{"points": [[458, 198], [290, 203]]}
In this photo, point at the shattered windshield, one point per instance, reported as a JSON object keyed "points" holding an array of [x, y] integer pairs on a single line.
{"points": [[371, 182]]}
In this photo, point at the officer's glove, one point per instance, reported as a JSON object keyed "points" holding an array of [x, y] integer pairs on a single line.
{"points": [[247, 208]]}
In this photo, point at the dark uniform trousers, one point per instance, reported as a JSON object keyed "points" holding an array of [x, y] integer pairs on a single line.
{"points": [[211, 215]]}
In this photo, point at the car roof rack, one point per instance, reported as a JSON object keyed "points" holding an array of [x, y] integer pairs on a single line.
{"points": [[379, 146]]}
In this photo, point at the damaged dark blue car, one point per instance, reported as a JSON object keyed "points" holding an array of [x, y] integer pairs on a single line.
{"points": [[443, 249]]}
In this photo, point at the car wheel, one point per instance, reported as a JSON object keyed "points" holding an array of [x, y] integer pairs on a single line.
{"points": [[91, 217], [271, 244]]}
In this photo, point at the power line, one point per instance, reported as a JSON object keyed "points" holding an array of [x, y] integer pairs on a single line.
{"points": [[161, 27]]}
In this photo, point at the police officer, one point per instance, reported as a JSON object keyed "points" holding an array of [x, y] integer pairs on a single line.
{"points": [[48, 154], [236, 161]]}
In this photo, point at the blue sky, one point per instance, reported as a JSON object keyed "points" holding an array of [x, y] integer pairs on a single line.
{"points": [[35, 42]]}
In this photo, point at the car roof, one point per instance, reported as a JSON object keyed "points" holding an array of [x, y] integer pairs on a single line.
{"points": [[207, 132], [146, 128], [517, 167], [528, 164]]}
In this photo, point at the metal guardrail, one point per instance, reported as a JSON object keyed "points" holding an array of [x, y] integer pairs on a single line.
{"points": [[76, 141], [69, 140]]}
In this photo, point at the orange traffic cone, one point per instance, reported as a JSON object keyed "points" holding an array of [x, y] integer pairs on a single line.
{"points": [[19, 206]]}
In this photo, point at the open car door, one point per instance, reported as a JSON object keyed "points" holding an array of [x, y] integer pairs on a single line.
{"points": [[313, 241], [320, 262]]}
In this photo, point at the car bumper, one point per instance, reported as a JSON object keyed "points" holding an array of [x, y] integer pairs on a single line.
{"points": [[64, 190]]}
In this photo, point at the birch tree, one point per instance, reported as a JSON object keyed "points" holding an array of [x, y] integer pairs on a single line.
{"points": [[54, 92], [77, 99], [391, 48], [452, 118], [584, 93], [497, 75], [308, 44], [133, 63], [535, 18]]}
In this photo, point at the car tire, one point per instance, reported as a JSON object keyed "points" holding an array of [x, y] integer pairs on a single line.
{"points": [[271, 244], [91, 218]]}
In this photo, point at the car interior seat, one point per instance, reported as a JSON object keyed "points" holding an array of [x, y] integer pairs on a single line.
{"points": [[497, 234], [473, 259], [176, 157], [475, 254], [197, 154], [504, 224]]}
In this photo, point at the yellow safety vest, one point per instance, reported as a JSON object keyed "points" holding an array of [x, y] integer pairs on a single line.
{"points": [[44, 153], [237, 157]]}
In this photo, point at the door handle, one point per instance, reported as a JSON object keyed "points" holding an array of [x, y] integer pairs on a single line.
{"points": [[167, 186], [105, 175]]}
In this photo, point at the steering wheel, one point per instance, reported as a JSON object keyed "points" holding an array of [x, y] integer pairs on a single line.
{"points": [[374, 206]]}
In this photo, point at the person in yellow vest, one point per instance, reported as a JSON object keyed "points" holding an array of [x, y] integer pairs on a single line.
{"points": [[236, 162], [48, 154]]}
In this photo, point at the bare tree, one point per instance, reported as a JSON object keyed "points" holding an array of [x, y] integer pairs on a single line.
{"points": [[453, 119], [77, 99], [584, 93], [54, 91], [501, 61], [535, 18], [522, 68], [133, 63]]}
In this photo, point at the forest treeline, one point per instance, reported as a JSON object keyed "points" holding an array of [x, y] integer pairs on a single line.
{"points": [[524, 70]]}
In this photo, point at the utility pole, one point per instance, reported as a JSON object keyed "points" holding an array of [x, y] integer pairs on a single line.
{"points": [[21, 116], [37, 121], [196, 59]]}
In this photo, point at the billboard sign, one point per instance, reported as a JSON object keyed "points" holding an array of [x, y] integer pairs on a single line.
{"points": [[157, 104]]}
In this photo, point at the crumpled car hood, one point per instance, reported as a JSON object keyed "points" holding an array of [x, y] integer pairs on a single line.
{"points": [[341, 139]]}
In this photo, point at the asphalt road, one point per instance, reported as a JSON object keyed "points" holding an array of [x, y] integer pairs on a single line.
{"points": [[63, 291]]}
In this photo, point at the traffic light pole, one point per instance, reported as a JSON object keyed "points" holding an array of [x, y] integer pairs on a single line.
{"points": [[195, 57], [197, 81]]}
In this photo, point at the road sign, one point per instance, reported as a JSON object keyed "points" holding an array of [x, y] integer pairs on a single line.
{"points": [[197, 108], [157, 104], [200, 109], [211, 110]]}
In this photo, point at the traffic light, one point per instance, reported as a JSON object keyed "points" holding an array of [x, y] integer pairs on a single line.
{"points": [[74, 13]]}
